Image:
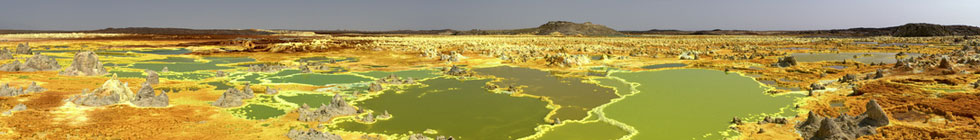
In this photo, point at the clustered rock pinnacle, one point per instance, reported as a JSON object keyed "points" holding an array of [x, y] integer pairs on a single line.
{"points": [[85, 64], [844, 126], [115, 92], [112, 91], [23, 48], [6, 90], [312, 134], [233, 97], [788, 61], [152, 77], [337, 107], [37, 62], [265, 68], [146, 97], [394, 79], [6, 54], [423, 137], [457, 71]]}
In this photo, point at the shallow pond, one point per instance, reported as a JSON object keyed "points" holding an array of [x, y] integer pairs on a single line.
{"points": [[319, 79], [258, 112], [184, 64], [313, 100], [462, 109], [874, 57], [416, 74], [220, 85], [690, 103], [575, 97]]}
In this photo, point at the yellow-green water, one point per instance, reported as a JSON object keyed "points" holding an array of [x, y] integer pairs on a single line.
{"points": [[690, 103], [463, 109], [575, 97]]}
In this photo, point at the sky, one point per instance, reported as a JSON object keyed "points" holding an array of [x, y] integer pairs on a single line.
{"points": [[377, 15]]}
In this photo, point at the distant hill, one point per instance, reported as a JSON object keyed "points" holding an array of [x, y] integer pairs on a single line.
{"points": [[563, 27], [907, 30]]}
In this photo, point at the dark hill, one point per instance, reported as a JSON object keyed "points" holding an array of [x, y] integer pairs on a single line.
{"points": [[907, 30], [563, 27]]}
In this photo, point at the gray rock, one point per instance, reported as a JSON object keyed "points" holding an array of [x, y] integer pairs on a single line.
{"points": [[384, 115], [817, 86], [445, 138], [152, 77], [369, 118], [23, 48], [418, 136], [6, 90], [269, 90], [945, 63], [85, 64], [37, 62], [146, 97], [689, 55], [6, 54], [736, 121], [265, 68], [788, 61], [843, 127], [231, 98], [247, 91], [312, 134], [848, 78], [220, 74], [337, 107], [165, 69], [375, 87], [456, 71], [112, 92], [34, 88]]}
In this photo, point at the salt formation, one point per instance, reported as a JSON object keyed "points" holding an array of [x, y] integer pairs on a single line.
{"points": [[146, 97], [37, 62], [844, 126], [112, 91], [6, 54], [152, 77], [6, 90], [23, 48], [85, 64], [786, 62], [337, 107], [233, 97], [311, 135]]}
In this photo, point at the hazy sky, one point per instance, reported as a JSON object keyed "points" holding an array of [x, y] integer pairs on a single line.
{"points": [[482, 14]]}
